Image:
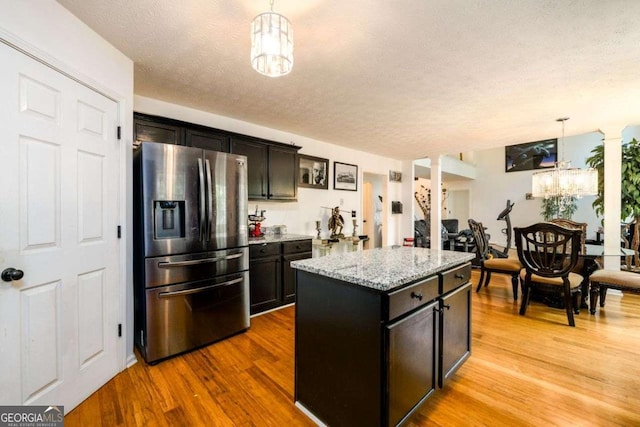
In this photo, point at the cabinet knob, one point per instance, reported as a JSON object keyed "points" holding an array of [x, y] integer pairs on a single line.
{"points": [[447, 306], [416, 296]]}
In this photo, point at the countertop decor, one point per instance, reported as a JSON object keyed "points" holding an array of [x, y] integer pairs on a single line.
{"points": [[383, 268]]}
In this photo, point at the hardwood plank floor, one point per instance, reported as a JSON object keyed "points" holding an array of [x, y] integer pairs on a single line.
{"points": [[524, 370]]}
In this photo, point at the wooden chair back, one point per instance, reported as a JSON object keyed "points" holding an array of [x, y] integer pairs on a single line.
{"points": [[480, 237], [547, 249], [567, 223]]}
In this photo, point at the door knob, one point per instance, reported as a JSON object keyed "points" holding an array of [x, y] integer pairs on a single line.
{"points": [[11, 274]]}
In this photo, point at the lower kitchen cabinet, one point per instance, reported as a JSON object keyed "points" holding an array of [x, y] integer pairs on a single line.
{"points": [[265, 282], [271, 279], [371, 358], [455, 331], [412, 361]]}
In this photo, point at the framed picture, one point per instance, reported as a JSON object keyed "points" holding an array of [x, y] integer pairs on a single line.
{"points": [[395, 176], [531, 155], [345, 176], [313, 172]]}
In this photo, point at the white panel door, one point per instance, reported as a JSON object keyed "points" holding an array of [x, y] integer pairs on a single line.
{"points": [[59, 190]]}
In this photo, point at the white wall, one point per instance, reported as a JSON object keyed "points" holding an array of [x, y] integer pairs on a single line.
{"points": [[493, 186], [49, 32], [300, 216]]}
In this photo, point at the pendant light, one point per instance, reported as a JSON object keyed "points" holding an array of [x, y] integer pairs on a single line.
{"points": [[271, 44], [564, 182]]}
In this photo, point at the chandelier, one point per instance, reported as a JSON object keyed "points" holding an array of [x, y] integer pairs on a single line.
{"points": [[564, 182], [271, 44]]}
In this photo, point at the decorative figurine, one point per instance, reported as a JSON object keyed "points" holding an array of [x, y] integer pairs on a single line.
{"points": [[318, 230], [336, 222]]}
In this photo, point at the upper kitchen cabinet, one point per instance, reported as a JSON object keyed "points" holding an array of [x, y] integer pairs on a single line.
{"points": [[283, 177], [272, 168], [207, 139], [146, 129]]}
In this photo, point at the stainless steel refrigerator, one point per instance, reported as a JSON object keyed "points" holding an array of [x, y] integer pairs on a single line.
{"points": [[191, 259]]}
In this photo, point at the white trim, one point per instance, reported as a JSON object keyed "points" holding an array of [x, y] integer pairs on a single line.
{"points": [[273, 309], [44, 58], [309, 414]]}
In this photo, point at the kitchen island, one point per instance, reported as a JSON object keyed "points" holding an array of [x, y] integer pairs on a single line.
{"points": [[377, 332]]}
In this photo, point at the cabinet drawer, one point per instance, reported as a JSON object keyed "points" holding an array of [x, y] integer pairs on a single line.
{"points": [[455, 278], [264, 249], [406, 299], [296, 246]]}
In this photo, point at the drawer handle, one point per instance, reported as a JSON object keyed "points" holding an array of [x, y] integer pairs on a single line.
{"points": [[417, 296], [458, 276]]}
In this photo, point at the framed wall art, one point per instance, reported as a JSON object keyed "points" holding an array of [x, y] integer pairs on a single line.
{"points": [[345, 176], [313, 172], [531, 155], [395, 176]]}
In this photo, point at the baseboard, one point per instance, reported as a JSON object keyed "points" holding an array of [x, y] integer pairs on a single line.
{"points": [[273, 309], [309, 414], [131, 360]]}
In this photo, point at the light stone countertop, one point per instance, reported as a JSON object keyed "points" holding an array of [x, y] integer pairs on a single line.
{"points": [[384, 268], [274, 238]]}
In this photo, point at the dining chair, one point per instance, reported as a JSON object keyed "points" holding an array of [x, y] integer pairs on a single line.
{"points": [[601, 280], [549, 253], [489, 264], [584, 266], [567, 223]]}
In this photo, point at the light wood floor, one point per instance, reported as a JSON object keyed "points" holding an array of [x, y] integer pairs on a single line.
{"points": [[533, 370]]}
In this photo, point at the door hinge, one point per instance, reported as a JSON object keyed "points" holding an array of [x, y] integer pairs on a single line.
{"points": [[119, 329], [119, 232], [119, 132]]}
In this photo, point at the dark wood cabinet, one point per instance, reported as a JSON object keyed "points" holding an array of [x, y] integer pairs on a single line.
{"points": [[272, 169], [147, 130], [257, 164], [455, 331], [283, 174], [412, 361], [271, 278], [272, 166], [292, 251], [371, 358], [265, 277], [207, 140]]}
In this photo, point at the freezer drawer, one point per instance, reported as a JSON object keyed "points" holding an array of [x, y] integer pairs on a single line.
{"points": [[168, 270], [186, 316]]}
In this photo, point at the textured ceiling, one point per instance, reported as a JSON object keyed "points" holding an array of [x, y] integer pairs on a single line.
{"points": [[403, 79]]}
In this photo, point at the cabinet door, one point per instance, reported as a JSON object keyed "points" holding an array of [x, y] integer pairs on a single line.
{"points": [[289, 276], [283, 177], [257, 155], [145, 130], [455, 331], [265, 284], [207, 140], [411, 375]]}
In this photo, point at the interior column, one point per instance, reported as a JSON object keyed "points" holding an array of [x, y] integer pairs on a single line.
{"points": [[436, 202], [612, 189]]}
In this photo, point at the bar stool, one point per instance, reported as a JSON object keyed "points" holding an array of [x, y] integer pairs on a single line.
{"points": [[601, 280]]}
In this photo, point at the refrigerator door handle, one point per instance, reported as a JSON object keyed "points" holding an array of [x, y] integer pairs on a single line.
{"points": [[210, 196], [169, 264], [201, 187], [198, 290]]}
